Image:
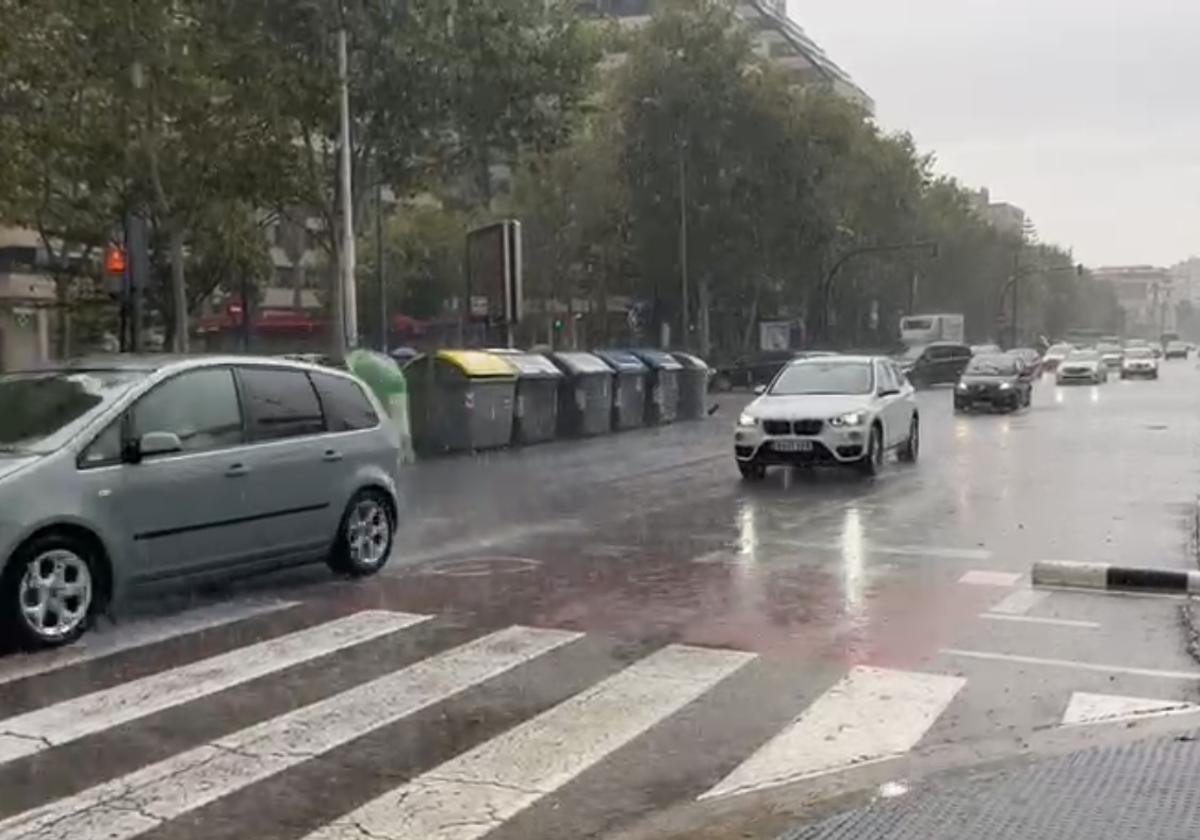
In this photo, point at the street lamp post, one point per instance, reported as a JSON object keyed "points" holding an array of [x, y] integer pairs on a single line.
{"points": [[831, 275]]}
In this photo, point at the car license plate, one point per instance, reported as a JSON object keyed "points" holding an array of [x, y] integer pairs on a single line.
{"points": [[793, 446]]}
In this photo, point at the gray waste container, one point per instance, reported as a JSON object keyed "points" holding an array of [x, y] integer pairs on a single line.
{"points": [[461, 400], [629, 388], [693, 386], [535, 417], [662, 404], [585, 401]]}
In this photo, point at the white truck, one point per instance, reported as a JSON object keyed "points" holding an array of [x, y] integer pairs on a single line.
{"points": [[916, 330]]}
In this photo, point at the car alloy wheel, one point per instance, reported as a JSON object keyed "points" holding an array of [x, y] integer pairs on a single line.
{"points": [[911, 450], [872, 462], [366, 535], [55, 595]]}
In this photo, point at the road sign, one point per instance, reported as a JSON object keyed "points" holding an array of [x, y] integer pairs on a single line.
{"points": [[494, 271]]}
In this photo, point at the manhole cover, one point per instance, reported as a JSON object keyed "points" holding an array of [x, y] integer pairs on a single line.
{"points": [[466, 567]]}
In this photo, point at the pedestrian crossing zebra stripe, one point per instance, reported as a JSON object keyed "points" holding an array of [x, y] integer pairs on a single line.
{"points": [[136, 634], [140, 801], [473, 794], [870, 715], [52, 726]]}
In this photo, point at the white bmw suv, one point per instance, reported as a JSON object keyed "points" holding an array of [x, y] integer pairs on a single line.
{"points": [[848, 410]]}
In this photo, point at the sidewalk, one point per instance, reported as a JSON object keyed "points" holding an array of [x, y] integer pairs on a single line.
{"points": [[1145, 789]]}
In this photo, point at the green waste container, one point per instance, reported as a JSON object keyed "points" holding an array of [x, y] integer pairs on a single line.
{"points": [[535, 417], [693, 386], [662, 404], [385, 378], [585, 402], [629, 388], [461, 400]]}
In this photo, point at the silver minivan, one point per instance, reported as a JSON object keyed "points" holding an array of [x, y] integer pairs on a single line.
{"points": [[126, 472]]}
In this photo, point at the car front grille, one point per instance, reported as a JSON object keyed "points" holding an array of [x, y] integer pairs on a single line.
{"points": [[799, 427]]}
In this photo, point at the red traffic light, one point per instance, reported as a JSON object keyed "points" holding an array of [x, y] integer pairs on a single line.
{"points": [[114, 260]]}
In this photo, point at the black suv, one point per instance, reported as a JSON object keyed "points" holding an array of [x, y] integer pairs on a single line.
{"points": [[935, 364]]}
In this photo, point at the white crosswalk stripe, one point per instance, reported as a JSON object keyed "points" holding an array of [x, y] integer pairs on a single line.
{"points": [[131, 805], [70, 720], [870, 715], [473, 794], [135, 635]]}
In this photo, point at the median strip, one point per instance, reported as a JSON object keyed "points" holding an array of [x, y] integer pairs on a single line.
{"points": [[1062, 573]]}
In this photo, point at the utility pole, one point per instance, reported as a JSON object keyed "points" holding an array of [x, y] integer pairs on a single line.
{"points": [[347, 267], [379, 272], [683, 247]]}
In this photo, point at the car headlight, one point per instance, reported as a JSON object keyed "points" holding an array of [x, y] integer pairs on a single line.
{"points": [[1005, 386], [854, 418], [747, 421], [962, 386]]}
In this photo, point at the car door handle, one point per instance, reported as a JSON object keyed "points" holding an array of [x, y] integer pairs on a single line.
{"points": [[332, 455], [237, 471]]}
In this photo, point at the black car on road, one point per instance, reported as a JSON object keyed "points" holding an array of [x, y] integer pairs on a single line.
{"points": [[994, 382], [939, 363]]}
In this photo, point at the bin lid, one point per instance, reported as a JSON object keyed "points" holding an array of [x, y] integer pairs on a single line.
{"points": [[581, 363], [529, 365], [621, 361], [478, 364], [658, 360], [690, 362]]}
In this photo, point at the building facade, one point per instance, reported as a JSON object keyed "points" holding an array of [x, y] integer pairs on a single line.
{"points": [[1004, 217], [775, 35], [1146, 293]]}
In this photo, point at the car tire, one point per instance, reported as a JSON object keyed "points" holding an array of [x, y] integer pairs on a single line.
{"points": [[872, 463], [60, 572], [365, 536], [752, 471], [910, 450]]}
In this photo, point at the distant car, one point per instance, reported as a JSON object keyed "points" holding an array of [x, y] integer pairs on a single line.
{"points": [[1139, 361], [1055, 355], [1029, 359], [1111, 354], [1086, 366], [848, 410], [996, 381], [124, 472], [1176, 350], [986, 350], [940, 363]]}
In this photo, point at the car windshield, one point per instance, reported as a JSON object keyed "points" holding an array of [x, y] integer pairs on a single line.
{"points": [[814, 377], [1108, 349], [37, 405], [1083, 356], [992, 366], [1139, 353], [1059, 350], [911, 354]]}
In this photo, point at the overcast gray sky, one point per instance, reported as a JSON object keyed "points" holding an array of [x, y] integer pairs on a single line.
{"points": [[1084, 112]]}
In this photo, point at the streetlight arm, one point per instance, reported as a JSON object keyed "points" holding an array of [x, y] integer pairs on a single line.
{"points": [[831, 275]]}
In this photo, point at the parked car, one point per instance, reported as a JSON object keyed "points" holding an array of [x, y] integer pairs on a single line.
{"points": [[1085, 366], [1176, 350], [1139, 361], [997, 381], [124, 473], [848, 410], [1054, 356], [935, 364]]}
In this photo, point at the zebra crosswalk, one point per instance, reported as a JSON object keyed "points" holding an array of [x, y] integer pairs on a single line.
{"points": [[474, 733]]}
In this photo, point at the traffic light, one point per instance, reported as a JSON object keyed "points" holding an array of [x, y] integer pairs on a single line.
{"points": [[114, 260], [558, 324]]}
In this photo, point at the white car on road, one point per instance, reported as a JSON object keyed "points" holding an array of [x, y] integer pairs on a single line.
{"points": [[1086, 366], [848, 410]]}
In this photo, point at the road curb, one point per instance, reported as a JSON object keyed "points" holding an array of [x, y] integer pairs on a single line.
{"points": [[1061, 573]]}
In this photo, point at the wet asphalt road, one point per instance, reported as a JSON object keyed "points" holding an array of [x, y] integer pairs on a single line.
{"points": [[707, 658]]}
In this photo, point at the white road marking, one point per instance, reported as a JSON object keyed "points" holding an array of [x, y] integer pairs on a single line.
{"points": [[136, 634], [982, 578], [1070, 663], [1033, 619], [1020, 602], [870, 715], [469, 796], [948, 553], [143, 800], [61, 723], [1087, 708]]}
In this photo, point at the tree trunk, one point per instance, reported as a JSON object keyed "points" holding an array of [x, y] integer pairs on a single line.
{"points": [[705, 318], [179, 303]]}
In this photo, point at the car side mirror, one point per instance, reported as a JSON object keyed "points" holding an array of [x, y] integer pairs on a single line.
{"points": [[760, 389], [151, 444]]}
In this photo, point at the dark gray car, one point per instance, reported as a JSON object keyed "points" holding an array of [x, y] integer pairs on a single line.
{"points": [[119, 473]]}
